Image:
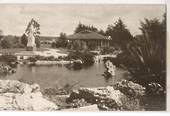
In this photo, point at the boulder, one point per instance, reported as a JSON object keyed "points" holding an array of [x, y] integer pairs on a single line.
{"points": [[6, 69], [109, 98], [15, 95], [130, 88], [110, 69]]}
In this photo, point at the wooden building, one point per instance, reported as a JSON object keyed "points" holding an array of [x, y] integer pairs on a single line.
{"points": [[89, 39]]}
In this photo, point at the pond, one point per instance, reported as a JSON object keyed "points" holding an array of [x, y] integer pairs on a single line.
{"points": [[59, 76]]}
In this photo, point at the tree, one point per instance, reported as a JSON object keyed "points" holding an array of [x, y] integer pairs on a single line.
{"points": [[1, 34], [24, 40], [145, 57], [62, 41], [82, 27], [53, 45], [5, 43], [119, 33], [102, 32], [37, 42], [16, 42]]}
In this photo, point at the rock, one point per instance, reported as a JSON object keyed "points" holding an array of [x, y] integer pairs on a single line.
{"points": [[15, 95], [130, 88], [6, 69], [97, 96], [110, 69], [79, 103], [109, 98]]}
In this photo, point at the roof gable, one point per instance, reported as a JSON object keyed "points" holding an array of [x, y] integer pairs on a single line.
{"points": [[87, 35]]}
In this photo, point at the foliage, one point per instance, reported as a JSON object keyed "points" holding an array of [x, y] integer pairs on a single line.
{"points": [[32, 59], [74, 55], [86, 57], [47, 58], [107, 50], [40, 57], [15, 41], [62, 41], [82, 27], [145, 57], [1, 34], [11, 41], [53, 45], [24, 40], [102, 32], [119, 33], [8, 58], [37, 42], [76, 45], [5, 43]]}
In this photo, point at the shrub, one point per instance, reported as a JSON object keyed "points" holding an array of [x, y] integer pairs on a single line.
{"points": [[145, 57], [74, 55], [24, 40], [5, 43], [51, 58], [107, 50], [53, 45], [62, 41], [8, 58], [40, 57], [32, 59], [86, 57]]}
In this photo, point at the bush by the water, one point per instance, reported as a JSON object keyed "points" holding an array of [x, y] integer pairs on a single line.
{"points": [[32, 59], [87, 58], [46, 58]]}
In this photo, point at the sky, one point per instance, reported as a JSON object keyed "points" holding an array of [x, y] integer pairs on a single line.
{"points": [[56, 18]]}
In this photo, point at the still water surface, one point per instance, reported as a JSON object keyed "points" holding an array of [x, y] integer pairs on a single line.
{"points": [[58, 76]]}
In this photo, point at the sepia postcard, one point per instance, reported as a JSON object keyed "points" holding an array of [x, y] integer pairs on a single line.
{"points": [[83, 57]]}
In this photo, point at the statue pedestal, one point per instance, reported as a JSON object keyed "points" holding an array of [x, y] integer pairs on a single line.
{"points": [[31, 48]]}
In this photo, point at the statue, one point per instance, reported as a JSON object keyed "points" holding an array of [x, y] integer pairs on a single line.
{"points": [[30, 32]]}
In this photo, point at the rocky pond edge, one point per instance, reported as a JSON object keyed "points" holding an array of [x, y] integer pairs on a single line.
{"points": [[122, 96]]}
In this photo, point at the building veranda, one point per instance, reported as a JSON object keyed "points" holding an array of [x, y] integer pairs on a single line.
{"points": [[88, 40]]}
